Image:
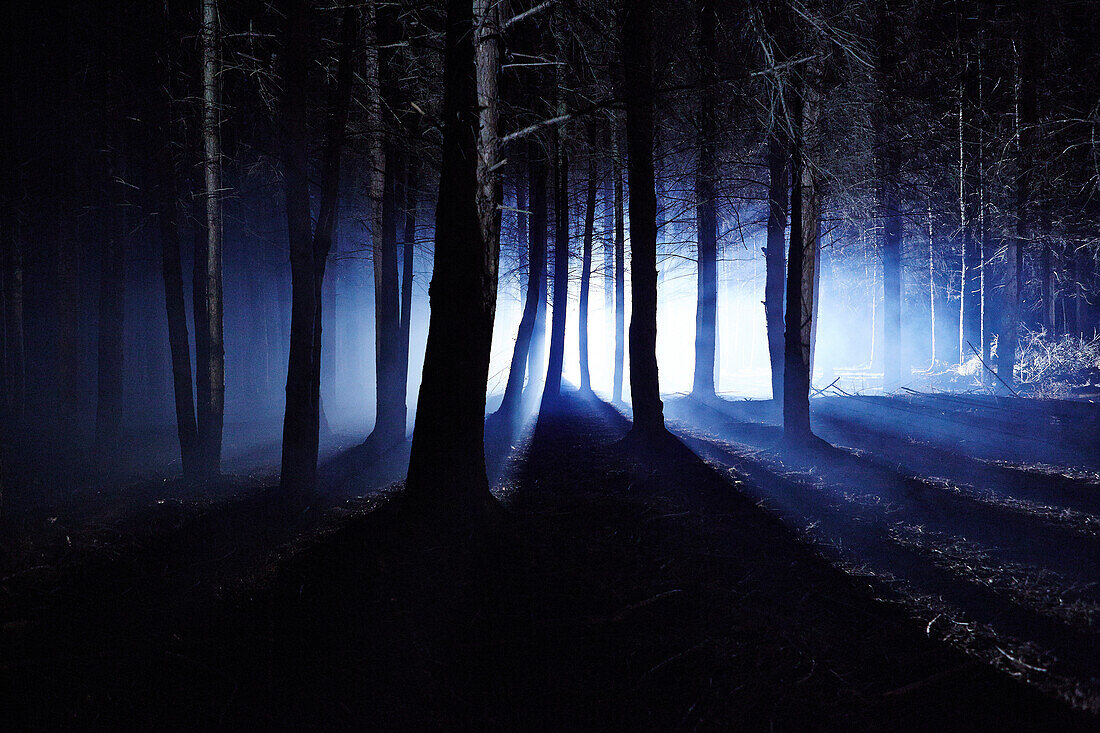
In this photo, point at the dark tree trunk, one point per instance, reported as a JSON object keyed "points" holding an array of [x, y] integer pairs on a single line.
{"points": [[110, 351], [176, 310], [14, 364], [552, 388], [801, 261], [309, 246], [390, 413], [513, 390], [1046, 279], [620, 278], [522, 244], [389, 425], [637, 40], [490, 191], [68, 328], [586, 274], [1027, 104], [970, 317], [447, 464], [888, 198], [775, 261], [409, 249], [706, 307], [167, 206], [211, 367], [607, 255]]}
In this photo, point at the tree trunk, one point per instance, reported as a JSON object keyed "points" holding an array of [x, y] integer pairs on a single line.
{"points": [[389, 424], [309, 246], [211, 405], [586, 275], [637, 39], [888, 198], [167, 206], [536, 353], [801, 261], [1027, 114], [620, 275], [513, 390], [775, 258], [409, 245], [522, 242], [607, 254], [176, 311], [970, 324], [931, 291], [110, 351], [706, 307], [551, 390], [68, 329], [14, 366], [447, 463], [390, 412], [487, 63]]}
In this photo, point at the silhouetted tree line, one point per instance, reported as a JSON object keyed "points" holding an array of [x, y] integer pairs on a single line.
{"points": [[550, 143]]}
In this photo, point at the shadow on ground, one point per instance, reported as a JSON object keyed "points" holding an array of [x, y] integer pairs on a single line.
{"points": [[615, 590]]}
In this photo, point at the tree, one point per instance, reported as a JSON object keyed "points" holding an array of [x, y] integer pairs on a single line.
{"points": [[309, 244], [1027, 106], [447, 463], [110, 347], [13, 367], [536, 289], [390, 412], [639, 91], [552, 388], [209, 341], [706, 313], [802, 258], [586, 274], [409, 245], [166, 205], [775, 261], [888, 196], [620, 275]]}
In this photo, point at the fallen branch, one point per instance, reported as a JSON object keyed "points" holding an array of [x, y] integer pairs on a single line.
{"points": [[990, 369]]}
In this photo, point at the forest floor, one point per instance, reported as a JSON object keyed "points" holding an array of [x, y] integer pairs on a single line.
{"points": [[908, 576]]}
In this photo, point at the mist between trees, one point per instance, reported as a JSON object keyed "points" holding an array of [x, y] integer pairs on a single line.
{"points": [[276, 222]]}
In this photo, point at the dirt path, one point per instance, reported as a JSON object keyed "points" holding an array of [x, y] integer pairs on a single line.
{"points": [[1004, 560], [620, 587]]}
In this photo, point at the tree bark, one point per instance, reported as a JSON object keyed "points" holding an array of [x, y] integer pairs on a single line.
{"points": [[211, 405], [1027, 114], [513, 390], [586, 275], [551, 390], [447, 463], [970, 319], [706, 307], [176, 312], [14, 366], [409, 245], [522, 224], [888, 197], [309, 245], [620, 275], [68, 328], [801, 261], [637, 40], [390, 412], [775, 261], [110, 350]]}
